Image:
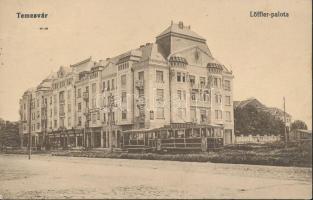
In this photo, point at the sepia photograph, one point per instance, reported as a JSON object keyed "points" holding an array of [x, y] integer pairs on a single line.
{"points": [[156, 99]]}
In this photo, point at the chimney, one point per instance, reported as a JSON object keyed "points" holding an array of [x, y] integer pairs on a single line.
{"points": [[141, 46], [107, 59]]}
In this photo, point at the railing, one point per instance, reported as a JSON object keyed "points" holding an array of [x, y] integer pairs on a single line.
{"points": [[139, 84], [140, 101]]}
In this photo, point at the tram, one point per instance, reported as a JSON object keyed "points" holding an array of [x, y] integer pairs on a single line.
{"points": [[174, 137]]}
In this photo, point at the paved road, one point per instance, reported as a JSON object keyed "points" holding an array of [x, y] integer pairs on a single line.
{"points": [[63, 177]]}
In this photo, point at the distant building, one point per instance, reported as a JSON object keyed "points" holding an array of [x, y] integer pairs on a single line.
{"points": [[276, 112], [300, 135], [175, 80]]}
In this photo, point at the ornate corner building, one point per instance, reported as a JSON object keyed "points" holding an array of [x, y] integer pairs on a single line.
{"points": [[172, 94]]}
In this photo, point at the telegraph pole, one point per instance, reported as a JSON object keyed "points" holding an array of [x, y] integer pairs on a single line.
{"points": [[111, 104], [86, 99], [286, 139]]}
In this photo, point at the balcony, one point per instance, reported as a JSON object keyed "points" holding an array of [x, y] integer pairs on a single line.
{"points": [[140, 119], [140, 101], [86, 96], [139, 84]]}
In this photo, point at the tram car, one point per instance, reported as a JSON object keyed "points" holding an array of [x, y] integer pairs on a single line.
{"points": [[174, 137]]}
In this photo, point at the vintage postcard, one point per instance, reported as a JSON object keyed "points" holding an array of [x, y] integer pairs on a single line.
{"points": [[156, 99]]}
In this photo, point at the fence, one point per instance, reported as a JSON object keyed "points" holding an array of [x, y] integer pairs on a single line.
{"points": [[243, 139]]}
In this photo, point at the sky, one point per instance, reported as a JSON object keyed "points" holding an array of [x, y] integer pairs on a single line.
{"points": [[270, 57]]}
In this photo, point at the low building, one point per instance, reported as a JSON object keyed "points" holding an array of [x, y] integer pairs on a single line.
{"points": [[300, 135]]}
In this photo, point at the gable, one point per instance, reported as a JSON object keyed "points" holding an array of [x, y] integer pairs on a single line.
{"points": [[195, 56]]}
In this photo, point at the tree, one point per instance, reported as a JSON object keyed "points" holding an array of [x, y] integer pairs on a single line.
{"points": [[250, 120], [298, 124], [9, 133]]}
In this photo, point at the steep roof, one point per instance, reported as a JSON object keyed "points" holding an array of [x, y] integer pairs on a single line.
{"points": [[257, 104], [276, 111], [250, 101], [180, 29]]}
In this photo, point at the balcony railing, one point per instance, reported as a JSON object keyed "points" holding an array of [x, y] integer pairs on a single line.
{"points": [[139, 84], [140, 101]]}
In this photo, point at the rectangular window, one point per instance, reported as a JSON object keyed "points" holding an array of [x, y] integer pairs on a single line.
{"points": [[160, 95], [79, 107], [123, 80], [218, 98], [203, 115], [183, 77], [93, 103], [124, 114], [103, 86], [159, 76], [141, 75], [178, 77], [227, 85], [227, 100], [206, 96], [69, 123], [94, 118], [69, 94], [98, 115], [192, 79], [108, 85], [55, 123], [202, 81], [104, 118], [69, 107], [218, 114], [193, 96], [79, 121], [79, 93], [93, 88], [179, 95], [215, 84], [193, 115], [228, 116], [123, 97], [112, 84]]}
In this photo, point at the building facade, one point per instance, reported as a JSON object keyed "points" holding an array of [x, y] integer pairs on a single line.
{"points": [[175, 80]]}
